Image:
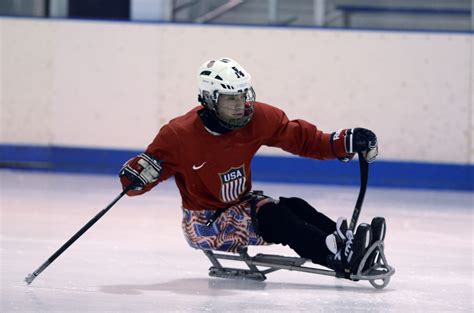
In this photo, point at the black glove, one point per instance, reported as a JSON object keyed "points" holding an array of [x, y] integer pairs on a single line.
{"points": [[347, 142], [365, 142]]}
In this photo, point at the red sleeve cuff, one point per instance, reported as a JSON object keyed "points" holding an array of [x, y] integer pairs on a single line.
{"points": [[339, 147]]}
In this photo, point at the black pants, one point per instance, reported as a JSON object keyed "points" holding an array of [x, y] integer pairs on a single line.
{"points": [[295, 223]]}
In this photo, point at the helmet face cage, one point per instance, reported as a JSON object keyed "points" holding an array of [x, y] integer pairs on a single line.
{"points": [[248, 96], [211, 101]]}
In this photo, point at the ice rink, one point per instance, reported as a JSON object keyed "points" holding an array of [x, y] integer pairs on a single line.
{"points": [[135, 259]]}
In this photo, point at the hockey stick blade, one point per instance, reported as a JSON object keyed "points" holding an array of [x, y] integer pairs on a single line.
{"points": [[30, 277]]}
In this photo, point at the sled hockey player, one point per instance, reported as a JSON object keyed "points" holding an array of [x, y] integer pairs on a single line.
{"points": [[209, 151]]}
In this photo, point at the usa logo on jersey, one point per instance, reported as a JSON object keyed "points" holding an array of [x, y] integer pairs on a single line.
{"points": [[232, 184]]}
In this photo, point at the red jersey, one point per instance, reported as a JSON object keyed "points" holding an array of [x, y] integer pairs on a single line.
{"points": [[213, 171]]}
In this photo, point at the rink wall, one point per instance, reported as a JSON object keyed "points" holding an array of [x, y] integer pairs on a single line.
{"points": [[84, 96]]}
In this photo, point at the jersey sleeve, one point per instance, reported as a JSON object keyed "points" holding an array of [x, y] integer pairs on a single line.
{"points": [[165, 148], [297, 136]]}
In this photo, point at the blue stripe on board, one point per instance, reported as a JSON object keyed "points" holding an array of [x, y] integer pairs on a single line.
{"points": [[264, 168], [382, 173]]}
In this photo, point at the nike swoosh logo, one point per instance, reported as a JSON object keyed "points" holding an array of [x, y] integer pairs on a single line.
{"points": [[198, 167]]}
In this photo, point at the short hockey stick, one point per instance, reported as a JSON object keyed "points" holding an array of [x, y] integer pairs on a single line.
{"points": [[29, 279], [364, 176]]}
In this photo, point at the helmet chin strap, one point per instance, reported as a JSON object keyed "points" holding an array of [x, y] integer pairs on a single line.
{"points": [[212, 122]]}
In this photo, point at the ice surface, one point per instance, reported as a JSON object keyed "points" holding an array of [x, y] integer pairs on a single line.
{"points": [[135, 259]]}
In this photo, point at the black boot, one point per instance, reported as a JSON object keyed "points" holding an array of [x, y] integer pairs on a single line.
{"points": [[336, 240], [378, 227], [347, 260]]}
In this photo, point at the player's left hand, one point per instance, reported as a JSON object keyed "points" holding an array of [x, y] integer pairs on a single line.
{"points": [[365, 142], [347, 142]]}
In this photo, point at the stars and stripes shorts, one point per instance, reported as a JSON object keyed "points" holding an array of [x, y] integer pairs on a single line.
{"points": [[230, 231]]}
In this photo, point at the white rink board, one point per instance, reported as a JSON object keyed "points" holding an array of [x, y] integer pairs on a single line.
{"points": [[113, 85], [135, 259]]}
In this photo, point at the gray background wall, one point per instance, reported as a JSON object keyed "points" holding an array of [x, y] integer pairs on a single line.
{"points": [[114, 85]]}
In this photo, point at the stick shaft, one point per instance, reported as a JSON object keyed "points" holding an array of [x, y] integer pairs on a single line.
{"points": [[364, 176], [76, 236]]}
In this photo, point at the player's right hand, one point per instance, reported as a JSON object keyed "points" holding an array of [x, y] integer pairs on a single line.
{"points": [[140, 171]]}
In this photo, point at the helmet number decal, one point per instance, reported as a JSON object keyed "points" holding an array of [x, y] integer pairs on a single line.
{"points": [[238, 72]]}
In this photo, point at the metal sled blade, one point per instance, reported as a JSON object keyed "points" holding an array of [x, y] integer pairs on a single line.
{"points": [[236, 273], [272, 263], [217, 270], [379, 270]]}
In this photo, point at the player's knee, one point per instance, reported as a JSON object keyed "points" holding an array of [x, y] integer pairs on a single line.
{"points": [[295, 203], [269, 211]]}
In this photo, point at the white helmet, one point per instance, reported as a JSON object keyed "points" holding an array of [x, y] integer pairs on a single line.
{"points": [[225, 76]]}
